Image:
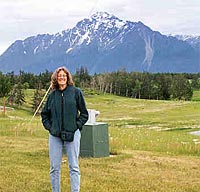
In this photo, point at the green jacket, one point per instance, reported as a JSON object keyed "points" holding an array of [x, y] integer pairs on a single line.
{"points": [[64, 110]]}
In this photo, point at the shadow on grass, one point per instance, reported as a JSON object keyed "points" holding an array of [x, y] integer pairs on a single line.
{"points": [[179, 129]]}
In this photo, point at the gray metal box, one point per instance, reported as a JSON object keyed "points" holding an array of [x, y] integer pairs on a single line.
{"points": [[94, 140]]}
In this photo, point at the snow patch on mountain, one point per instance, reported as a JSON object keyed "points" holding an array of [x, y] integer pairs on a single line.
{"points": [[35, 50], [149, 51], [84, 38], [191, 39]]}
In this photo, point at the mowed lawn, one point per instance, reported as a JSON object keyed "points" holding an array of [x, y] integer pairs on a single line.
{"points": [[151, 148]]}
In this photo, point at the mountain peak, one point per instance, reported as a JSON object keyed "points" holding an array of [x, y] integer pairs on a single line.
{"points": [[103, 16], [108, 20]]}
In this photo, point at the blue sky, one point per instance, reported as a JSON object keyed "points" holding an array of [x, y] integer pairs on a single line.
{"points": [[20, 19]]}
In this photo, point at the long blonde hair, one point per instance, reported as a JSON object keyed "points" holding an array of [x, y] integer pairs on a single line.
{"points": [[54, 77]]}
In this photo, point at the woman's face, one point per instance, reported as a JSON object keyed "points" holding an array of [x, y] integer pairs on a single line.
{"points": [[62, 78]]}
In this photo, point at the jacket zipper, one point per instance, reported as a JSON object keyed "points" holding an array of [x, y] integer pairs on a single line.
{"points": [[62, 114]]}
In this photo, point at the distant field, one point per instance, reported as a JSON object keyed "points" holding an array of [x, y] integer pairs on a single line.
{"points": [[151, 145]]}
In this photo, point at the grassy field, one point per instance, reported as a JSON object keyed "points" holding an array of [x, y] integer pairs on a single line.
{"points": [[151, 146]]}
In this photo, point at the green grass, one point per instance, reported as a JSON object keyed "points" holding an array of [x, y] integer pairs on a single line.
{"points": [[150, 144]]}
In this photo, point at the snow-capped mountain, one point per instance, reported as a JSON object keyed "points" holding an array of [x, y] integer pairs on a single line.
{"points": [[191, 39], [102, 43]]}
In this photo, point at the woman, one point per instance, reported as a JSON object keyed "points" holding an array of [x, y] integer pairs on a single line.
{"points": [[63, 116]]}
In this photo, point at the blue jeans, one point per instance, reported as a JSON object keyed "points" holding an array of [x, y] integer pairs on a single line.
{"points": [[55, 154]]}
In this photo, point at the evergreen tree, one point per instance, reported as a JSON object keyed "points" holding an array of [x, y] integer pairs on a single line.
{"points": [[45, 79], [17, 95], [181, 88], [5, 85], [82, 77]]}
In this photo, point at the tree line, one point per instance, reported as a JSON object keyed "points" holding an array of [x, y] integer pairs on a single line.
{"points": [[141, 85]]}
